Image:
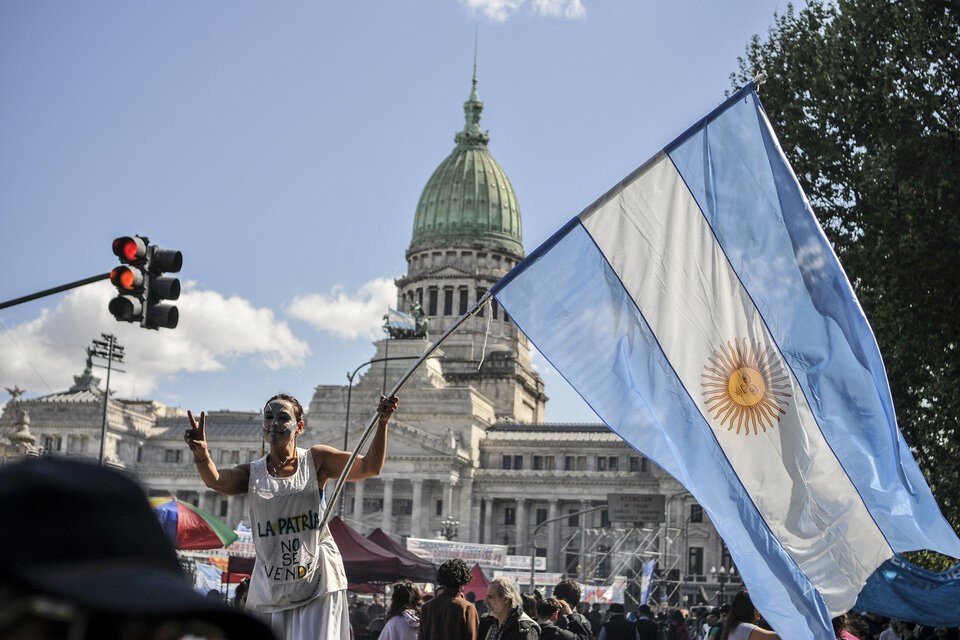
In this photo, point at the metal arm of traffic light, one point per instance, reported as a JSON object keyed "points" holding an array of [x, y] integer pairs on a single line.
{"points": [[48, 292]]}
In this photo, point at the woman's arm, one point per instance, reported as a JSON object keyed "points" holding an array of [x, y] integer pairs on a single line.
{"points": [[229, 482], [330, 461]]}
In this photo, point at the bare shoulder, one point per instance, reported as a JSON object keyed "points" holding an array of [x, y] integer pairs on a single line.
{"points": [[763, 634]]}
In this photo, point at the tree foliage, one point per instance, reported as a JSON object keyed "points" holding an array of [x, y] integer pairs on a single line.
{"points": [[865, 98]]}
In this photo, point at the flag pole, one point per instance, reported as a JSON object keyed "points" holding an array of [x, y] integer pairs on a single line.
{"points": [[341, 481]]}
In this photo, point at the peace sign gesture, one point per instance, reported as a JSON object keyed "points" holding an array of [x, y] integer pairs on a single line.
{"points": [[196, 437]]}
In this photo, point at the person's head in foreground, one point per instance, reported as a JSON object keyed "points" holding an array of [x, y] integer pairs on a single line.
{"points": [[453, 575], [86, 557]]}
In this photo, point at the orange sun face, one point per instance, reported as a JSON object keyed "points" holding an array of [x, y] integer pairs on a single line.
{"points": [[744, 387]]}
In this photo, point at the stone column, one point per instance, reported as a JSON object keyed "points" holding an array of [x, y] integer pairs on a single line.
{"points": [[386, 522], [554, 563], [487, 521], [358, 500], [465, 512], [416, 514], [522, 527]]}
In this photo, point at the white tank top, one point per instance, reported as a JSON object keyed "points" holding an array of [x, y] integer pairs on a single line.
{"points": [[295, 561]]}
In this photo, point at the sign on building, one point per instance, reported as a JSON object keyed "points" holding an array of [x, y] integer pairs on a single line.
{"points": [[439, 551], [626, 507]]}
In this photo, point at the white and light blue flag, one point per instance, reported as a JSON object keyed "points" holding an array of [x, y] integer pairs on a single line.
{"points": [[646, 580], [700, 311]]}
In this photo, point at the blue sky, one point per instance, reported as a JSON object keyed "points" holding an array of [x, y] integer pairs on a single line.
{"points": [[282, 148]]}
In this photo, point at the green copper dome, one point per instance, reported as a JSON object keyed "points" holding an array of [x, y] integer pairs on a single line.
{"points": [[469, 198]]}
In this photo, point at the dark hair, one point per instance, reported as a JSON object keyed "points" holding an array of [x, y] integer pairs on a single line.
{"points": [[470, 596], [547, 608], [297, 408], [741, 610], [453, 574], [615, 607], [645, 609], [569, 591], [529, 604], [405, 596]]}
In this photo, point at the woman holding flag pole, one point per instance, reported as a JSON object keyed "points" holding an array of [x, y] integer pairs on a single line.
{"points": [[298, 584]]}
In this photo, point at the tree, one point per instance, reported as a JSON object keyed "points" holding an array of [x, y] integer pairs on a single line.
{"points": [[865, 98]]}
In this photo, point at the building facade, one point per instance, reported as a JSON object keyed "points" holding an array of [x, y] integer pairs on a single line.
{"points": [[469, 456]]}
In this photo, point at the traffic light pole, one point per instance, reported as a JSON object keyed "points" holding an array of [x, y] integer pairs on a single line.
{"points": [[49, 292]]}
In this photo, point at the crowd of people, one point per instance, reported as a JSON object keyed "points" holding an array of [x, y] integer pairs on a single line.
{"points": [[505, 613]]}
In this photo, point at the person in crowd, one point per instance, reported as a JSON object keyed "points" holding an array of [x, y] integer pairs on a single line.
{"points": [[300, 584], [448, 615], [741, 621], [403, 616], [567, 592], [480, 605], [376, 608], [111, 574], [595, 618], [677, 626], [548, 611], [529, 604], [240, 594], [647, 627], [508, 620], [617, 627]]}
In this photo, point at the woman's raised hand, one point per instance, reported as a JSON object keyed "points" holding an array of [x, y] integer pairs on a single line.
{"points": [[196, 437]]}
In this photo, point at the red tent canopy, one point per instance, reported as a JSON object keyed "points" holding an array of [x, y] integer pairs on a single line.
{"points": [[363, 560], [419, 569], [478, 583]]}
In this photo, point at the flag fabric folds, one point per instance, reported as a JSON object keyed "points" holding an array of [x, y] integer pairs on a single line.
{"points": [[700, 311]]}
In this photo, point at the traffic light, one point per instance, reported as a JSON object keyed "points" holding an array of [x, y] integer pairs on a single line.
{"points": [[129, 279], [160, 288]]}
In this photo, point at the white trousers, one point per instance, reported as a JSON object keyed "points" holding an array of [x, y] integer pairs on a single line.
{"points": [[324, 618]]}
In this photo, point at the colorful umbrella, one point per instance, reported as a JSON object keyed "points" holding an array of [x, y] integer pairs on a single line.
{"points": [[190, 527]]}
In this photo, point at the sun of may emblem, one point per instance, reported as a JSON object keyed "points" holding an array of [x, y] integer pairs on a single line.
{"points": [[745, 387]]}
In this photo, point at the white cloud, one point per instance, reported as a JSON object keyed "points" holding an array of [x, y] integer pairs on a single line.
{"points": [[45, 353], [501, 10], [359, 315], [570, 9]]}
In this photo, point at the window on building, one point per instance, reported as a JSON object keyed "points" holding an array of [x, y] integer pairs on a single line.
{"points": [[403, 506], [439, 508], [634, 463], [171, 456], [601, 463], [541, 516], [420, 297], [448, 301], [695, 561], [495, 307], [509, 516], [52, 443], [506, 462], [644, 465], [432, 301], [480, 293], [604, 518], [139, 454], [518, 462], [545, 463], [573, 518], [224, 505], [569, 463], [613, 464], [372, 505], [464, 300], [696, 513]]}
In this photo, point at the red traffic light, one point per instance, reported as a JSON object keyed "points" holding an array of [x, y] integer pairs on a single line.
{"points": [[126, 278], [130, 249]]}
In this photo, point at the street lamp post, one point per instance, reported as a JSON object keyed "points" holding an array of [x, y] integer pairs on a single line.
{"points": [[350, 377], [111, 351], [449, 528], [722, 576]]}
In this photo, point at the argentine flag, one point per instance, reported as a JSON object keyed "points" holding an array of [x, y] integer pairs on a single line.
{"points": [[700, 311]]}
